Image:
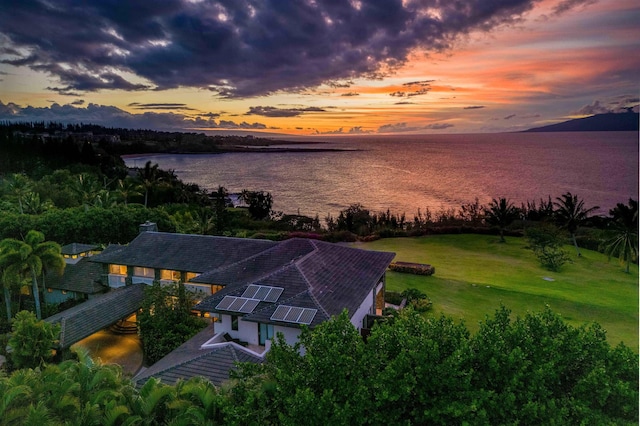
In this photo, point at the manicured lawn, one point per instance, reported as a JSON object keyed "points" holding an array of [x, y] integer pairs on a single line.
{"points": [[476, 273]]}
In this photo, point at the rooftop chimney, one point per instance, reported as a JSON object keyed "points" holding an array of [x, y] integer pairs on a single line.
{"points": [[148, 226]]}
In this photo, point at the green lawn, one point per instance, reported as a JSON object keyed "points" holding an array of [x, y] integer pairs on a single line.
{"points": [[477, 273]]}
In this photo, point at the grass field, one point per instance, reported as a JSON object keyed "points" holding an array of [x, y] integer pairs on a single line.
{"points": [[476, 273]]}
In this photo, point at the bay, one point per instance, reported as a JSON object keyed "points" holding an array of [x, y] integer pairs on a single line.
{"points": [[407, 173]]}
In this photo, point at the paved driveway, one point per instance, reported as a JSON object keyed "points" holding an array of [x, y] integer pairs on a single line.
{"points": [[111, 348]]}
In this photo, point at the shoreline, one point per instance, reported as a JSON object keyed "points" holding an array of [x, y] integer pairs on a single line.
{"points": [[241, 150]]}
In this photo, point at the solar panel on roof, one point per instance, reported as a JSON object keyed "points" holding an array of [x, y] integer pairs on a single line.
{"points": [[249, 305], [307, 316], [226, 302], [237, 304], [280, 312], [262, 292], [274, 294], [251, 291], [293, 314]]}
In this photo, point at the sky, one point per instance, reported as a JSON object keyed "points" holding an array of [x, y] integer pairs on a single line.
{"points": [[318, 67]]}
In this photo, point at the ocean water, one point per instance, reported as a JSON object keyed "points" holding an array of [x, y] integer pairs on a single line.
{"points": [[407, 173]]}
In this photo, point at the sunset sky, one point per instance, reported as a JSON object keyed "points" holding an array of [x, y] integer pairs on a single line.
{"points": [[318, 67]]}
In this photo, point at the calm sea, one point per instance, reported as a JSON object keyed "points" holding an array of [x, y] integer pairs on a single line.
{"points": [[407, 173]]}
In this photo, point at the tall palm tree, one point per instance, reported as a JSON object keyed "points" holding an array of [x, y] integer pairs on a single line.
{"points": [[571, 213], [19, 185], [31, 257], [501, 213], [625, 242], [149, 177], [87, 189], [127, 188]]}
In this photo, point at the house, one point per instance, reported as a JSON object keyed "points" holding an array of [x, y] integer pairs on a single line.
{"points": [[250, 289], [81, 279]]}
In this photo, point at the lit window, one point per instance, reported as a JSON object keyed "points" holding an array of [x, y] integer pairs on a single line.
{"points": [[49, 290], [64, 291], [190, 275], [216, 288], [169, 274], [140, 271], [118, 269]]}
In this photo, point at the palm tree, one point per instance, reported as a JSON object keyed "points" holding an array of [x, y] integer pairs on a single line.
{"points": [[87, 189], [625, 242], [501, 213], [571, 213], [19, 185], [149, 177], [127, 188], [9, 278], [31, 257]]}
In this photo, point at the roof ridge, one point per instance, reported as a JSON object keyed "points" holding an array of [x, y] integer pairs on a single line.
{"points": [[237, 262], [315, 299]]}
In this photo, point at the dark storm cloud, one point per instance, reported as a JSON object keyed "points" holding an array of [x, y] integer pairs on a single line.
{"points": [[269, 111], [167, 106], [247, 48], [115, 117]]}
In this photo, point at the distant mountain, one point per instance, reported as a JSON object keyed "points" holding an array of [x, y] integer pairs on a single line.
{"points": [[611, 122]]}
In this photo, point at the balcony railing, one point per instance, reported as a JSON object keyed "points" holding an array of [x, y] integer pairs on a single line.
{"points": [[144, 280], [116, 281]]}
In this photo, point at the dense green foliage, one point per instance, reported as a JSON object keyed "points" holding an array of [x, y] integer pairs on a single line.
{"points": [[532, 370], [535, 369], [546, 241], [32, 341], [165, 320]]}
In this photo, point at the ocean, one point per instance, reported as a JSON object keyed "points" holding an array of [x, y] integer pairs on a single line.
{"points": [[407, 173]]}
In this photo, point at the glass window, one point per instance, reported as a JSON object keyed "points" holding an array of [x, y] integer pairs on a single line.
{"points": [[139, 271], [118, 269], [169, 274], [234, 322], [190, 275]]}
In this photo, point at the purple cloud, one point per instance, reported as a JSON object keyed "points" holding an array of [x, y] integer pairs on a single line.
{"points": [[235, 49]]}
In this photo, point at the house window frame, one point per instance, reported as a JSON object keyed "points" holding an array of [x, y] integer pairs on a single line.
{"points": [[235, 320], [146, 272], [170, 275], [116, 269]]}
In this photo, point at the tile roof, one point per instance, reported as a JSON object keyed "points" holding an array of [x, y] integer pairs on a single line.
{"points": [[314, 274], [183, 252], [77, 248], [191, 360], [82, 277], [95, 314]]}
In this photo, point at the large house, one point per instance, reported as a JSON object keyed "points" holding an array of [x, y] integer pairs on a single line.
{"points": [[81, 279], [250, 289]]}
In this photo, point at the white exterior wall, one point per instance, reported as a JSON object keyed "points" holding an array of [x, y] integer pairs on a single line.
{"points": [[247, 331], [223, 326], [366, 307], [291, 334]]}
